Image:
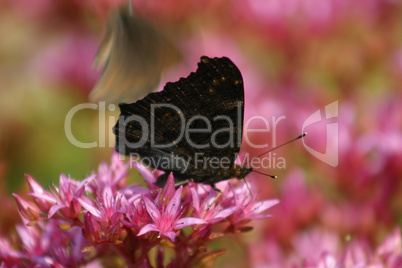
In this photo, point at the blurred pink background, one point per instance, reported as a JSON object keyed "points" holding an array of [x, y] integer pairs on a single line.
{"points": [[295, 56]]}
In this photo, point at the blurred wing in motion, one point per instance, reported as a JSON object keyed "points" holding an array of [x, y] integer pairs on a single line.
{"points": [[133, 56]]}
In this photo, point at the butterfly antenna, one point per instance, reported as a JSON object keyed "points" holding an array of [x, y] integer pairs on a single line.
{"points": [[283, 144], [156, 191], [279, 146], [271, 176], [249, 190]]}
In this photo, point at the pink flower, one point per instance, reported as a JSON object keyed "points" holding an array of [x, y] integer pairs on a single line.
{"points": [[136, 215], [312, 246], [44, 245], [105, 216], [67, 197], [113, 175], [8, 255], [207, 206], [64, 199], [28, 210], [45, 200], [247, 208], [103, 221], [105, 205], [324, 249], [167, 218], [390, 251]]}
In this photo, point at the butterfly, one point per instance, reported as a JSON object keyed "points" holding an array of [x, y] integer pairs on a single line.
{"points": [[132, 56], [193, 128]]}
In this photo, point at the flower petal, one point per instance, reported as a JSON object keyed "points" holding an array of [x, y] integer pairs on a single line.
{"points": [[27, 209], [33, 185], [169, 189], [81, 187], [261, 206], [148, 228], [88, 206], [152, 210], [54, 209], [195, 199], [174, 203], [226, 212], [259, 217], [147, 174], [44, 197], [184, 222], [170, 235]]}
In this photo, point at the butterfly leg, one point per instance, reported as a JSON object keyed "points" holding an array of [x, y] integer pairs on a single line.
{"points": [[216, 189], [180, 183], [217, 197]]}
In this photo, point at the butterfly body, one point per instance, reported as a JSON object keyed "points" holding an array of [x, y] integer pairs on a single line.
{"points": [[214, 176], [193, 128]]}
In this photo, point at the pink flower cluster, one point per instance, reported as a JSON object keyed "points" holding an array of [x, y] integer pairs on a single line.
{"points": [[82, 222], [323, 249]]}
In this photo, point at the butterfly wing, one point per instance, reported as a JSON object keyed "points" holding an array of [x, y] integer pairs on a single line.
{"points": [[201, 115], [133, 55]]}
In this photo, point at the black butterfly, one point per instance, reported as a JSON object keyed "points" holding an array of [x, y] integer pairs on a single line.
{"points": [[211, 99]]}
